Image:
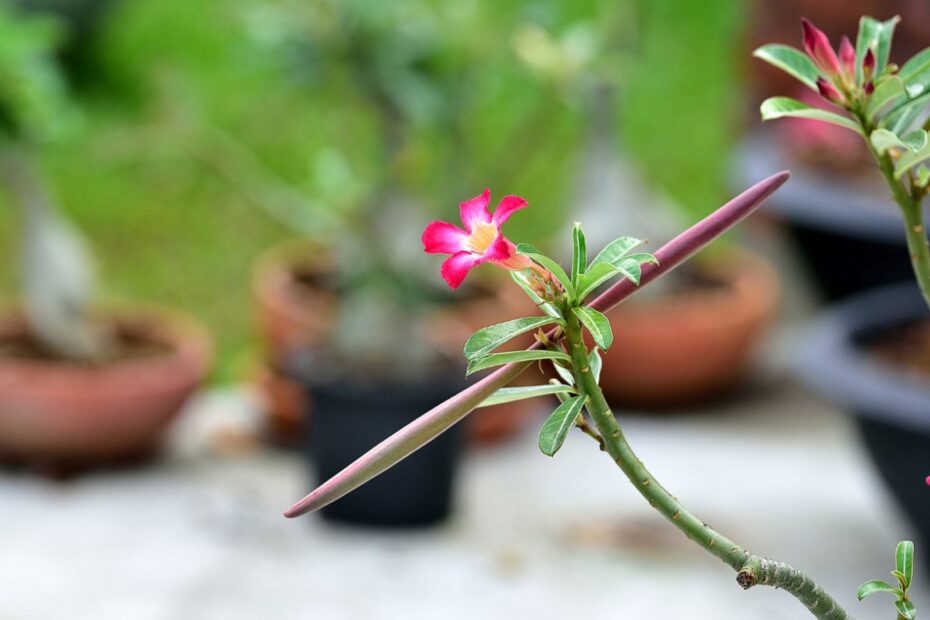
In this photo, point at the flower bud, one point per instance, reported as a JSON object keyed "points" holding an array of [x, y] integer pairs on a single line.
{"points": [[819, 49], [868, 65], [829, 92], [869, 87], [848, 57]]}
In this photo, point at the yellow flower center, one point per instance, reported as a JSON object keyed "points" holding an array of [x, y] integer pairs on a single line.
{"points": [[481, 237]]}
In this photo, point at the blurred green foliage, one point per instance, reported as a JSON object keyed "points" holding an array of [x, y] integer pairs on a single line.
{"points": [[143, 177]]}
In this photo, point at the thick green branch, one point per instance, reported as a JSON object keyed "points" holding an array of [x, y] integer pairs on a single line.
{"points": [[751, 569]]}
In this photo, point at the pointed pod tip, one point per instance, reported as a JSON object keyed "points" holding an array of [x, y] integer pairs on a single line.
{"points": [[300, 508]]}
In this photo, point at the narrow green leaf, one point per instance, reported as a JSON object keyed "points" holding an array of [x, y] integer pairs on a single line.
{"points": [[597, 324], [900, 117], [564, 373], [522, 278], [630, 270], [489, 338], [923, 176], [910, 159], [877, 36], [791, 61], [902, 580], [780, 107], [528, 250], [555, 429], [506, 357], [595, 362], [891, 89], [906, 609], [616, 249], [511, 394], [904, 560], [579, 254], [882, 140], [593, 278], [915, 66], [871, 587]]}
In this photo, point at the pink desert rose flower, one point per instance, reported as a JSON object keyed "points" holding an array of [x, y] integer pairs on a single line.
{"points": [[481, 240]]}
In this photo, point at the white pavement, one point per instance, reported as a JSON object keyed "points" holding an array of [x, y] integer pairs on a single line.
{"points": [[199, 536]]}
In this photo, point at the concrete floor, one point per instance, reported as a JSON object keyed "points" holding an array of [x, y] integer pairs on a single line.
{"points": [[199, 535]]}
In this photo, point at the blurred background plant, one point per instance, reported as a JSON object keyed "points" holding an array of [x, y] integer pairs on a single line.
{"points": [[56, 269], [161, 67]]}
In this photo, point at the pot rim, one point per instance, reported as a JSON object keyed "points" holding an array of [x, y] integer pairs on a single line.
{"points": [[833, 365], [816, 199], [188, 340]]}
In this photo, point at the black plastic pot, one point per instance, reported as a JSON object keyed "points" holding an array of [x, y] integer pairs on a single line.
{"points": [[349, 418], [847, 229], [891, 408]]}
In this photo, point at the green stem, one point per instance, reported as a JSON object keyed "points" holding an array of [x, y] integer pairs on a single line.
{"points": [[910, 204], [751, 569]]}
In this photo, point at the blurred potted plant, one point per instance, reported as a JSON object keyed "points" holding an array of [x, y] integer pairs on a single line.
{"points": [[356, 295], [870, 353], [715, 308], [415, 75], [78, 385]]}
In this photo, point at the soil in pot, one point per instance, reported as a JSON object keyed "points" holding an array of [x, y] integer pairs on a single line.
{"points": [[694, 341], [350, 415], [64, 415]]}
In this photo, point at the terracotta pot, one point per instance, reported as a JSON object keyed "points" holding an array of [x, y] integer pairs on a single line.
{"points": [[61, 413], [689, 346], [295, 310]]}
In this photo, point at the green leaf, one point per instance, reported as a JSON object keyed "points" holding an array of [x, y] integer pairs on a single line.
{"points": [[882, 140], [889, 90], [902, 580], [904, 560], [527, 250], [906, 609], [615, 250], [871, 587], [911, 159], [506, 357], [877, 36], [791, 61], [579, 254], [915, 68], [780, 107], [595, 362], [900, 117], [555, 429], [511, 394], [923, 176], [597, 324], [630, 270], [489, 338], [595, 276], [564, 373], [522, 278]]}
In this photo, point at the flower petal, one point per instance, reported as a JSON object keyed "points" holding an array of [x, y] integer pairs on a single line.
{"points": [[503, 253], [443, 238], [506, 207], [456, 267], [476, 210]]}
